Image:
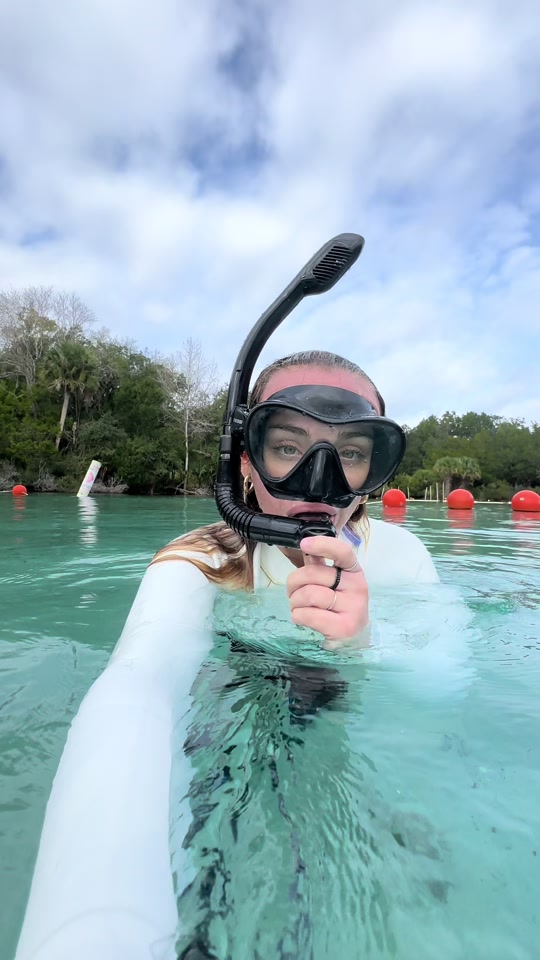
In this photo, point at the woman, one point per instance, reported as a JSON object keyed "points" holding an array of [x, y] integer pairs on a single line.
{"points": [[311, 447], [366, 552], [327, 578]]}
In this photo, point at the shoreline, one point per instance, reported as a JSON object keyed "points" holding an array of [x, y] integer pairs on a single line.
{"points": [[208, 495]]}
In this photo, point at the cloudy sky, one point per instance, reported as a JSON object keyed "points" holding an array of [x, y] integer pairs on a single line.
{"points": [[175, 163]]}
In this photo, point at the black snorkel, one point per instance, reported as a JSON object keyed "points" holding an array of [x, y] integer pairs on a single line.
{"points": [[320, 274]]}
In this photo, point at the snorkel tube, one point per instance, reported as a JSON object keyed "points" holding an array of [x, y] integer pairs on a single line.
{"points": [[319, 275]]}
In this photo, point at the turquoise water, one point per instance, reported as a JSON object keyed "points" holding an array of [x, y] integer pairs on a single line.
{"points": [[376, 805]]}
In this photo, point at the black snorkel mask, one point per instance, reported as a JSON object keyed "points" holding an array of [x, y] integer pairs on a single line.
{"points": [[359, 452], [321, 444]]}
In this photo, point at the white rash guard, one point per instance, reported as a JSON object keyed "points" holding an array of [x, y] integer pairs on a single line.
{"points": [[392, 555]]}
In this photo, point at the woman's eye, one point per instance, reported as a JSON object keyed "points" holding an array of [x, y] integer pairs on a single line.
{"points": [[354, 456], [287, 449]]}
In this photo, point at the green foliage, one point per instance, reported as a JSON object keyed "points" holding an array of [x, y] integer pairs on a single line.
{"points": [[138, 401], [66, 398], [415, 484], [456, 471], [498, 490], [500, 458]]}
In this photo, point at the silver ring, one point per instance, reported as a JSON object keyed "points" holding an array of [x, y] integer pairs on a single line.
{"points": [[334, 598], [338, 578], [351, 569]]}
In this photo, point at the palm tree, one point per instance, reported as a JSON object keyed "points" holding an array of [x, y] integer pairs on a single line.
{"points": [[456, 468], [71, 368]]}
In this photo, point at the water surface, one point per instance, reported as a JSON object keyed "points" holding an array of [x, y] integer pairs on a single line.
{"points": [[378, 805]]}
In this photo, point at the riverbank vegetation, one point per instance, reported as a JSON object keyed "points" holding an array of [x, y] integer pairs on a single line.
{"points": [[70, 392]]}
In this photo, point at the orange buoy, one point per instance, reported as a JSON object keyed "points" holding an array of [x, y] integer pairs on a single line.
{"points": [[19, 490], [526, 500], [460, 499], [394, 498]]}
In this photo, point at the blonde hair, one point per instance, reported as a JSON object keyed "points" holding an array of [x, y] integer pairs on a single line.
{"points": [[217, 543]]}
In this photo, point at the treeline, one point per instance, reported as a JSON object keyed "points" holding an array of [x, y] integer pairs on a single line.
{"points": [[489, 455], [70, 393]]}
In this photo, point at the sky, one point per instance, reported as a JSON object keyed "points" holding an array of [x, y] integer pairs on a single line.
{"points": [[176, 164]]}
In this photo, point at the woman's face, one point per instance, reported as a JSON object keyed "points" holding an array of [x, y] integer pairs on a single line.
{"points": [[290, 439]]}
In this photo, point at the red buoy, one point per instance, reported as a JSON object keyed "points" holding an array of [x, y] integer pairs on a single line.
{"points": [[19, 490], [460, 500], [394, 498], [526, 500]]}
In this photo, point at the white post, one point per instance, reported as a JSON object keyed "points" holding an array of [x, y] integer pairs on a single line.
{"points": [[89, 479]]}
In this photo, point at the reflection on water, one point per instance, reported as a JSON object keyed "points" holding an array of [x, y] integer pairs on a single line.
{"points": [[394, 514], [461, 519], [19, 506], [88, 513], [526, 520]]}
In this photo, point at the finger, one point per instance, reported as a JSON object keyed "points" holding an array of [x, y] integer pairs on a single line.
{"points": [[320, 575], [312, 595], [329, 548], [324, 576]]}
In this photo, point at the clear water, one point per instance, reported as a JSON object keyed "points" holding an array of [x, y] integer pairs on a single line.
{"points": [[369, 806]]}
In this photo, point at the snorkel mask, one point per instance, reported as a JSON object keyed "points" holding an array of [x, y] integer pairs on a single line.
{"points": [[307, 443]]}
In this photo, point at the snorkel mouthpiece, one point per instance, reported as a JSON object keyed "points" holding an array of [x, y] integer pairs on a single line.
{"points": [[266, 528], [319, 275]]}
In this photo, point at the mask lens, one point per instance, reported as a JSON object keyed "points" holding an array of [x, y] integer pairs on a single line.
{"points": [[281, 438], [310, 440]]}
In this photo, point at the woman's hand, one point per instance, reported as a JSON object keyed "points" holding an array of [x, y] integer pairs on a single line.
{"points": [[309, 589]]}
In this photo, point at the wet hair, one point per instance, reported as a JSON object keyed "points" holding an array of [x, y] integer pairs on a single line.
{"points": [[224, 556]]}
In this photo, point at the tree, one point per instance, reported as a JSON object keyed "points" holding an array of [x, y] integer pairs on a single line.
{"points": [[134, 394], [65, 308], [31, 320], [103, 439], [71, 368], [518, 454], [190, 382], [452, 468], [470, 424], [15, 407], [25, 340], [421, 440]]}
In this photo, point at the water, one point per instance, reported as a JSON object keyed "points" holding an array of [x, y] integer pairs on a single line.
{"points": [[370, 805]]}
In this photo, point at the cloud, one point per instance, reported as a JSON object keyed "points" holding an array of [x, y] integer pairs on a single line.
{"points": [[177, 163]]}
